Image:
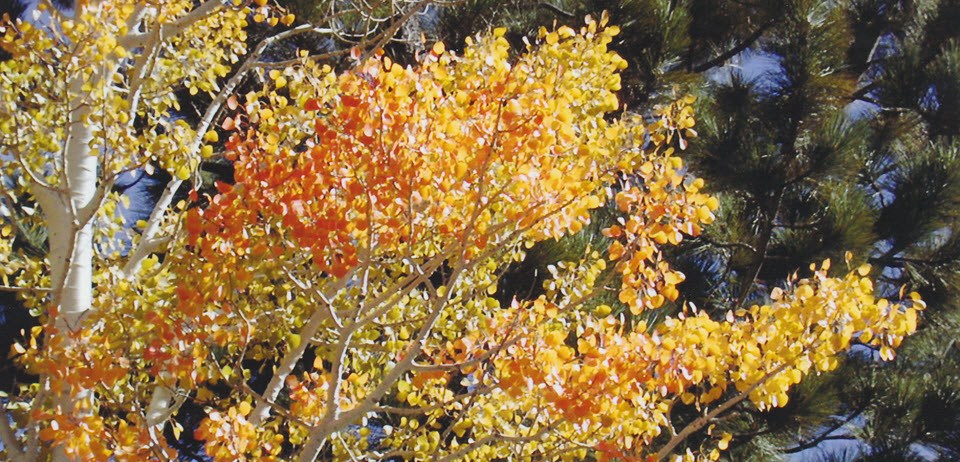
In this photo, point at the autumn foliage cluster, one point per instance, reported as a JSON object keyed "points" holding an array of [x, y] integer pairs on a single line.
{"points": [[336, 300]]}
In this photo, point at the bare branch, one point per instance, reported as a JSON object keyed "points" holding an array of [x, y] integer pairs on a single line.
{"points": [[556, 9], [825, 435], [388, 34], [747, 42], [25, 289]]}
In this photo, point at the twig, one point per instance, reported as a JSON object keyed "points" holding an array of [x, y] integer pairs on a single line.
{"points": [[25, 289], [556, 9], [388, 34], [825, 435]]}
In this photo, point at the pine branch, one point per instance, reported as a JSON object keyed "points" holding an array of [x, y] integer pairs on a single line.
{"points": [[818, 441], [727, 245], [766, 234], [743, 45], [556, 9], [826, 435]]}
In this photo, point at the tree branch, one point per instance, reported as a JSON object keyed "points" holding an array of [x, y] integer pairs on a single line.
{"points": [[25, 289], [464, 450], [825, 435], [289, 360], [817, 441], [172, 29], [862, 92], [333, 418], [743, 45], [161, 399], [696, 425], [727, 245], [388, 34], [556, 9]]}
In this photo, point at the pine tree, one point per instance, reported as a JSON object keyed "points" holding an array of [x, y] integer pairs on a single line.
{"points": [[912, 81]]}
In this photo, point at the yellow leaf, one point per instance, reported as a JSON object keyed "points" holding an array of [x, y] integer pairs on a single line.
{"points": [[16, 350], [244, 408], [293, 340], [724, 442], [776, 293], [911, 315], [182, 173]]}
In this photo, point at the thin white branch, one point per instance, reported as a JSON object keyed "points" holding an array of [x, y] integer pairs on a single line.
{"points": [[134, 38], [177, 27], [384, 301], [333, 419], [24, 289], [289, 361], [149, 237]]}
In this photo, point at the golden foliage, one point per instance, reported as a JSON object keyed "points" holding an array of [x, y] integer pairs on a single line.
{"points": [[354, 260]]}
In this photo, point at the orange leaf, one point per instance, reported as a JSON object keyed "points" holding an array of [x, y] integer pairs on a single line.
{"points": [[312, 105]]}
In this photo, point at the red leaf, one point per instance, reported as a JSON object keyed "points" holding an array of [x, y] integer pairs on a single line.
{"points": [[350, 101], [222, 187]]}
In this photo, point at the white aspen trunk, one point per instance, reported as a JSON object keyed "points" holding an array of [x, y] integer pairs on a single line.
{"points": [[71, 242]]}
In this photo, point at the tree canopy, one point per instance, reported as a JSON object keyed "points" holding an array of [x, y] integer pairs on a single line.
{"points": [[338, 297]]}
